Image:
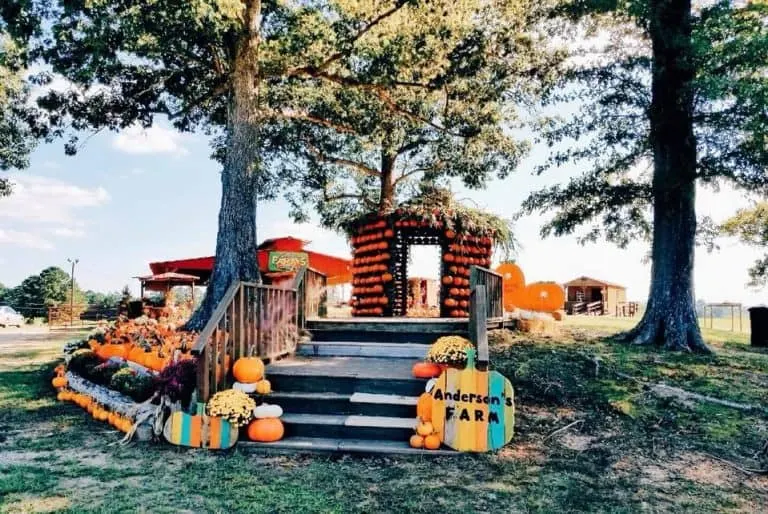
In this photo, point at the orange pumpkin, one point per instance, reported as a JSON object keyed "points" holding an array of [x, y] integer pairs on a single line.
{"points": [[448, 280], [266, 430], [416, 441], [450, 234], [448, 257], [248, 370], [59, 382], [432, 442], [424, 407], [545, 296], [425, 370], [450, 302]]}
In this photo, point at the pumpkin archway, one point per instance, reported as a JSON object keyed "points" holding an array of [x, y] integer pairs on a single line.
{"points": [[381, 246]]}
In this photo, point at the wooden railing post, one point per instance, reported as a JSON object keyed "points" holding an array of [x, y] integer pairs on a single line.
{"points": [[478, 324]]}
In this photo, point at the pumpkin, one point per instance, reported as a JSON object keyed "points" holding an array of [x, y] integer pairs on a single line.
{"points": [[425, 370], [61, 396], [432, 442], [386, 277], [265, 410], [450, 234], [448, 257], [248, 369], [447, 280], [450, 302], [102, 415], [545, 296], [266, 430], [453, 291], [59, 382], [424, 429], [424, 407], [389, 233], [263, 387], [416, 441]]}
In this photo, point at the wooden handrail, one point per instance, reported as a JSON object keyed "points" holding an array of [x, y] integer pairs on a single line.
{"points": [[218, 313]]}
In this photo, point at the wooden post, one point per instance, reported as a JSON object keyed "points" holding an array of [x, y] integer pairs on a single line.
{"points": [[478, 325]]}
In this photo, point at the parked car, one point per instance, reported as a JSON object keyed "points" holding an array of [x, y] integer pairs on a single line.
{"points": [[9, 317]]}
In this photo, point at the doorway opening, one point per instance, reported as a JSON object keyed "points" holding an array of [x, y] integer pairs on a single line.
{"points": [[423, 278]]}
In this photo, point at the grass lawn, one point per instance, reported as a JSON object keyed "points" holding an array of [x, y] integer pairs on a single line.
{"points": [[629, 450]]}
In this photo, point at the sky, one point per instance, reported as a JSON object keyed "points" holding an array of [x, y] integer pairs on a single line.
{"points": [[130, 198]]}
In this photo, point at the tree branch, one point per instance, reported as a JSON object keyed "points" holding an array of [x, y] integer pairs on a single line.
{"points": [[305, 116], [366, 170], [348, 45], [209, 95], [410, 173]]}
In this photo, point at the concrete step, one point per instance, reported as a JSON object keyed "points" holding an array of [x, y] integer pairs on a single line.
{"points": [[345, 375], [337, 445], [349, 427], [358, 349], [373, 330], [301, 402]]}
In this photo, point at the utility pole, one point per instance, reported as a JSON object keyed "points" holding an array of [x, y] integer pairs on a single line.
{"points": [[72, 290]]}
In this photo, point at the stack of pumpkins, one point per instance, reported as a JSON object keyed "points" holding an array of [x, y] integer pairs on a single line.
{"points": [[369, 269], [266, 426], [86, 402], [425, 436], [463, 252], [537, 297]]}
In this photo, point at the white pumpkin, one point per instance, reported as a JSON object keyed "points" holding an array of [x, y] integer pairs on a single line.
{"points": [[266, 410], [430, 385], [246, 388]]}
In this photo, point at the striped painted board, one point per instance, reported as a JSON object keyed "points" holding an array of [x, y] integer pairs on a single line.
{"points": [[200, 431], [473, 410]]}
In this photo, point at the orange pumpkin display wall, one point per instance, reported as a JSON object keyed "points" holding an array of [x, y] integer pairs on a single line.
{"points": [[379, 267], [538, 296]]}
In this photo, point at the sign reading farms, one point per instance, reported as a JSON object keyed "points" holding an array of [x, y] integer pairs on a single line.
{"points": [[287, 261], [473, 410]]}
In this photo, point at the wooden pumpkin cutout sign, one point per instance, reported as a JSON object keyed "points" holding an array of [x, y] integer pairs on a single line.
{"points": [[200, 431], [473, 410]]}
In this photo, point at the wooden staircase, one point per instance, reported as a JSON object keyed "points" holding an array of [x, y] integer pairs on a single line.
{"points": [[342, 394], [349, 388]]}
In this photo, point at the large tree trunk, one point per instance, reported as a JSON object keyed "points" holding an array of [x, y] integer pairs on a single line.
{"points": [[387, 192], [670, 318], [236, 241]]}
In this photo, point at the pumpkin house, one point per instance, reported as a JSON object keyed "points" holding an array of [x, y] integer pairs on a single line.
{"points": [[381, 244]]}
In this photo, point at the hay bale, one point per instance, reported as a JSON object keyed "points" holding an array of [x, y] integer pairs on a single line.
{"points": [[538, 326]]}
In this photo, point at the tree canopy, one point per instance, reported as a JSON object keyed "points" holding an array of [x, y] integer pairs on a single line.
{"points": [[666, 97], [610, 133], [20, 127], [247, 70], [462, 99], [750, 225], [52, 286]]}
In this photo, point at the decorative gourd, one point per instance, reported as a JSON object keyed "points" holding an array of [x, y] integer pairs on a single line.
{"points": [[432, 442], [424, 429], [424, 407], [246, 388], [265, 410], [59, 382], [266, 430], [263, 387], [416, 441], [426, 370], [248, 369]]}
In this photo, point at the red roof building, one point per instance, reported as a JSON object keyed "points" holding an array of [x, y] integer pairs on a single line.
{"points": [[336, 269]]}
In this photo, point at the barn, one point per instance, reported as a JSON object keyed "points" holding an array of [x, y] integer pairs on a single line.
{"points": [[586, 295]]}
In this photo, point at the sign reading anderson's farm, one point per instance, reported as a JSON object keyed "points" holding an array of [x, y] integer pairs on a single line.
{"points": [[473, 410], [287, 261]]}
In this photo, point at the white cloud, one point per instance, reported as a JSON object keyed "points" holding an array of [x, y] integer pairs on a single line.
{"points": [[68, 232], [24, 239], [156, 139], [40, 199]]}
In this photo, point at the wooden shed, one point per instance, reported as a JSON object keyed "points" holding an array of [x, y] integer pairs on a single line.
{"points": [[586, 295]]}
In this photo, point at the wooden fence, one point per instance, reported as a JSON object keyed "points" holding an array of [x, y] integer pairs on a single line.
{"points": [[486, 305], [493, 290], [254, 320]]}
